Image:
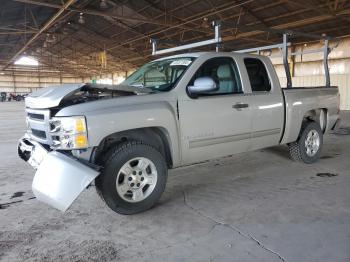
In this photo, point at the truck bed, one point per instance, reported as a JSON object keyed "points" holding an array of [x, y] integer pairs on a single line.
{"points": [[319, 102]]}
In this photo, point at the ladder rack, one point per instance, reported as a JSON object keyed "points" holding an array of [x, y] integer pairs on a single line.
{"points": [[326, 50], [282, 46]]}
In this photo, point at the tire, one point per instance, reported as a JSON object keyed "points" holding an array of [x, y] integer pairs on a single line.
{"points": [[304, 149], [130, 156]]}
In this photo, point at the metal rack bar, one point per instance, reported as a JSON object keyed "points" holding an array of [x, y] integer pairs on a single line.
{"points": [[285, 61], [325, 62], [216, 40], [262, 48]]}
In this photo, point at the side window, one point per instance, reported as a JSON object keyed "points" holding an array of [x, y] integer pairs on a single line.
{"points": [[223, 70], [259, 79], [155, 77]]}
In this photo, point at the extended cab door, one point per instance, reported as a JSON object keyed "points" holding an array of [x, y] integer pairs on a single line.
{"points": [[266, 103], [216, 123]]}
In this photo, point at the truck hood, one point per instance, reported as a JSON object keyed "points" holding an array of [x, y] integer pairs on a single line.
{"points": [[71, 94]]}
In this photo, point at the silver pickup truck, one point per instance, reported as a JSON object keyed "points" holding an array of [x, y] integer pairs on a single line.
{"points": [[172, 112]]}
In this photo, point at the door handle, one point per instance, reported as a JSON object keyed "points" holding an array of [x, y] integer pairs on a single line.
{"points": [[239, 106]]}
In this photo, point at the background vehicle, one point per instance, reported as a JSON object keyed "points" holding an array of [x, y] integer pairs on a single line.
{"points": [[17, 97], [173, 111], [3, 96]]}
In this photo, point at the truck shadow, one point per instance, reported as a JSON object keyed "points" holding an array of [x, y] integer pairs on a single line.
{"points": [[281, 151], [343, 130]]}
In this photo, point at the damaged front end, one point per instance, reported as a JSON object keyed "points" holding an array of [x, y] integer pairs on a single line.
{"points": [[58, 146], [59, 178], [57, 97], [51, 142]]}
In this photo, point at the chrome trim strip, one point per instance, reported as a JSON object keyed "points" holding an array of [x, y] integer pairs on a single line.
{"points": [[218, 140], [267, 132], [227, 139]]}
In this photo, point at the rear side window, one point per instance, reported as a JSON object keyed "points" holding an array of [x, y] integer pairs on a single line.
{"points": [[259, 79]]}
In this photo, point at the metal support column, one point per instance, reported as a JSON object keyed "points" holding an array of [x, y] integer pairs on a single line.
{"points": [[285, 60]]}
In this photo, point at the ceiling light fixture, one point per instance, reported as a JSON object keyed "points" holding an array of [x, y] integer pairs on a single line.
{"points": [[50, 38], [205, 22], [81, 19], [27, 61], [103, 4]]}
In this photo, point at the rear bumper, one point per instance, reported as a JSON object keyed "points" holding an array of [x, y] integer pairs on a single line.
{"points": [[59, 179]]}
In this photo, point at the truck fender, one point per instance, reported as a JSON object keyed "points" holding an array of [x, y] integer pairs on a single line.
{"points": [[154, 116]]}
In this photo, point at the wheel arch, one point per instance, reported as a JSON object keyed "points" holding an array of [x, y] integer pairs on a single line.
{"points": [[296, 118], [319, 116], [156, 136]]}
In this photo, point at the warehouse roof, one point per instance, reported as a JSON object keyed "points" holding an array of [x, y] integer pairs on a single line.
{"points": [[70, 37]]}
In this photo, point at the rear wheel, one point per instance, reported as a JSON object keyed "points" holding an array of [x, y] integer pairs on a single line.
{"points": [[308, 147], [133, 179]]}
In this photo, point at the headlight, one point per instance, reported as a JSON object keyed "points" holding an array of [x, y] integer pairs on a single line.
{"points": [[69, 132]]}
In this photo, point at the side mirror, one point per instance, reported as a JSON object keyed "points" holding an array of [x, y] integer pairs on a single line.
{"points": [[203, 84]]}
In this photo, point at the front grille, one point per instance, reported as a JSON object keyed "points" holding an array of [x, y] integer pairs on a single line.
{"points": [[39, 133], [36, 116], [39, 125]]}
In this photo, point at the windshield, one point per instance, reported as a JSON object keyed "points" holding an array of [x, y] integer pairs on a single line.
{"points": [[159, 75]]}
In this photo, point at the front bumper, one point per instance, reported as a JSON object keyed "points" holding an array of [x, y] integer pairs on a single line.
{"points": [[59, 179]]}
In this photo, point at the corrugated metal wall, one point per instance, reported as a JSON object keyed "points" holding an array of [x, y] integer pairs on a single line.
{"points": [[116, 78], [26, 83]]}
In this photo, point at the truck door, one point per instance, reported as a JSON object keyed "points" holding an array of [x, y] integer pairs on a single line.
{"points": [[216, 123], [266, 104]]}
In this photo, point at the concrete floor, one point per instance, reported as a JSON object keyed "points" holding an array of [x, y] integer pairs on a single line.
{"points": [[257, 206]]}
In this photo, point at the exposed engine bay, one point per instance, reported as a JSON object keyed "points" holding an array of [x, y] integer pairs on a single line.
{"points": [[93, 92], [71, 94]]}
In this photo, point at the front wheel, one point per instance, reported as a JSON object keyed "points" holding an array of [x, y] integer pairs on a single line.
{"points": [[308, 147], [133, 179]]}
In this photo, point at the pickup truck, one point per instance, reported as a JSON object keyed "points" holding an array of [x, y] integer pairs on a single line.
{"points": [[173, 111]]}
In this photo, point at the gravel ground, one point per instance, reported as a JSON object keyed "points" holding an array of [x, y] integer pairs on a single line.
{"points": [[256, 206]]}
